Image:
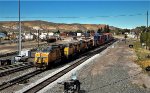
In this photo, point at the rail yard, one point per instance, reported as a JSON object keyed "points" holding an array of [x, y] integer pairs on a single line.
{"points": [[74, 47], [44, 75]]}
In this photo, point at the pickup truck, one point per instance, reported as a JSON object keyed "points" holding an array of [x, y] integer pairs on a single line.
{"points": [[21, 58]]}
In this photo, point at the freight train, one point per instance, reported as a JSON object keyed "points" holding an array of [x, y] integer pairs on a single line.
{"points": [[62, 52]]}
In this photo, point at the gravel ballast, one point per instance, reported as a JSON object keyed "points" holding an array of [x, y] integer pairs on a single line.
{"points": [[111, 72]]}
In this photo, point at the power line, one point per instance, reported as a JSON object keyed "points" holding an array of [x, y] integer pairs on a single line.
{"points": [[72, 17]]}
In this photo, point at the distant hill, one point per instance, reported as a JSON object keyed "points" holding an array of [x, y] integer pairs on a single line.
{"points": [[48, 26]]}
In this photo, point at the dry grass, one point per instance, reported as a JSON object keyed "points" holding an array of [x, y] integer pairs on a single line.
{"points": [[144, 63], [142, 54]]}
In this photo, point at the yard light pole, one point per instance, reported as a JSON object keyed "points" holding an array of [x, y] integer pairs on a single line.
{"points": [[19, 29]]}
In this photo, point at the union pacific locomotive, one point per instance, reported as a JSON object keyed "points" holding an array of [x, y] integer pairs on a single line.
{"points": [[59, 52]]}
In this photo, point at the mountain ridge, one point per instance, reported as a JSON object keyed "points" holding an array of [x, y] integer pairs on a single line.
{"points": [[49, 26]]}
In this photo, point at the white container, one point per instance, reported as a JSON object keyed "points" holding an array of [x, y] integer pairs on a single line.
{"points": [[26, 53]]}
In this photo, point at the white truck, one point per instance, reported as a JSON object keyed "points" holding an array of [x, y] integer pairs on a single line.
{"points": [[23, 57]]}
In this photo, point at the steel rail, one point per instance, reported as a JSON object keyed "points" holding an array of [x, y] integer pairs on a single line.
{"points": [[19, 79], [15, 69]]}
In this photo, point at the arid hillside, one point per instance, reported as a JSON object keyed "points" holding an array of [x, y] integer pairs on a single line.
{"points": [[48, 26]]}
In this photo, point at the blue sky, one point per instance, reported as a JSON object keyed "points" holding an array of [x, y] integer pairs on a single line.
{"points": [[86, 12]]}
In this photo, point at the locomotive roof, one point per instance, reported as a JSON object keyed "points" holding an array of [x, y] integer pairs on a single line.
{"points": [[55, 45], [49, 48]]}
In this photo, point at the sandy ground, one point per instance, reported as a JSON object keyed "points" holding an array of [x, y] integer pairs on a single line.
{"points": [[7, 48]]}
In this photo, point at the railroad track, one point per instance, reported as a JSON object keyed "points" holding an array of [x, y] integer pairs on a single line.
{"points": [[41, 85], [46, 82], [14, 68], [16, 80]]}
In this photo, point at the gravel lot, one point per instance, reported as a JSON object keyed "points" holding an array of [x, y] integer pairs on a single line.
{"points": [[113, 72]]}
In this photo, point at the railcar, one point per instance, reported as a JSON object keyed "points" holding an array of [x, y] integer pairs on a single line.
{"points": [[88, 43], [108, 37], [83, 45], [91, 43], [77, 47], [100, 39], [96, 40]]}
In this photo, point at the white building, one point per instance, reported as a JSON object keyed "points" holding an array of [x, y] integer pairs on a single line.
{"points": [[28, 37], [2, 35]]}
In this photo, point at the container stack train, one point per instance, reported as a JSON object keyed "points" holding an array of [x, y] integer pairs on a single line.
{"points": [[62, 52]]}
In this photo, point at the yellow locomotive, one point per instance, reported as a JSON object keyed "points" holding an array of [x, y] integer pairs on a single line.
{"points": [[83, 45], [77, 46], [69, 50], [47, 56], [52, 54]]}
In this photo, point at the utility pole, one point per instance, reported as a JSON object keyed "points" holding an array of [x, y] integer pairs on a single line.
{"points": [[85, 35], [147, 31], [38, 38], [19, 30], [147, 21]]}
